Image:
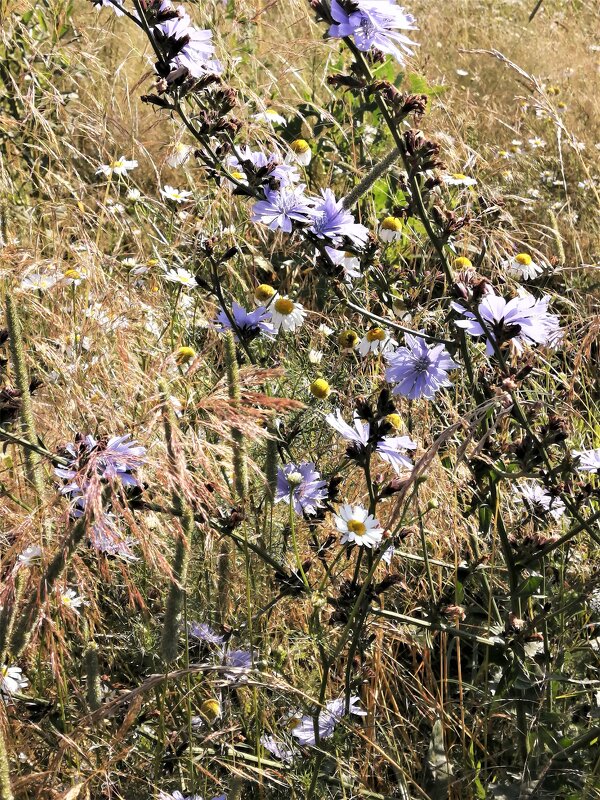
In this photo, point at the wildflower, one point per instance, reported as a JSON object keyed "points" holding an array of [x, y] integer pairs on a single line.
{"points": [[418, 370], [462, 263], [73, 277], [193, 47], [458, 179], [106, 538], [390, 449], [31, 555], [270, 115], [286, 315], [241, 662], [282, 207], [315, 356], [301, 151], [38, 282], [536, 143], [277, 748], [175, 195], [395, 420], [203, 631], [332, 221], [589, 460], [268, 164], [377, 340], [302, 486], [264, 293], [70, 599], [358, 435], [184, 354], [211, 709], [119, 167], [182, 277], [348, 339], [249, 323], [523, 267], [133, 195], [357, 526], [179, 154], [116, 7], [539, 499], [374, 24], [593, 601], [176, 795], [119, 457], [524, 320], [320, 389], [11, 680], [390, 229], [349, 262], [333, 713]]}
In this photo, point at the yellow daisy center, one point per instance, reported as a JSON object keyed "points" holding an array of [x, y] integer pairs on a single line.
{"points": [[391, 224], [357, 527], [264, 292], [459, 176], [185, 353], [376, 335], [72, 273], [284, 306], [462, 262], [238, 175], [300, 146], [524, 259]]}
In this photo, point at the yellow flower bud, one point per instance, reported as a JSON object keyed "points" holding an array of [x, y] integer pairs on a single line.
{"points": [[320, 389]]}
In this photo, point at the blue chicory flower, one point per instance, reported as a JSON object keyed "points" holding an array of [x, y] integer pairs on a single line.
{"points": [[302, 485], [418, 370], [374, 24]]}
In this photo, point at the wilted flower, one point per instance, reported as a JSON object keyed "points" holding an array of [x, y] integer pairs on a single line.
{"points": [[523, 267], [377, 340], [540, 500], [588, 460], [302, 486], [278, 748], [374, 24], [333, 713], [182, 277], [249, 323], [419, 370], [282, 207], [286, 315], [175, 195], [12, 680], [524, 320], [119, 167], [357, 526]]}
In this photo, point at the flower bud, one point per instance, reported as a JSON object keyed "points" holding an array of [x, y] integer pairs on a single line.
{"points": [[320, 389]]}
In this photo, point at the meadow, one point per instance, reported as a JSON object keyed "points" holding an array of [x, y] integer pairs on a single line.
{"points": [[299, 400]]}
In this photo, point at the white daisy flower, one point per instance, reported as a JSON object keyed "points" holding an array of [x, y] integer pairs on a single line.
{"points": [[133, 195], [31, 555], [390, 229], [181, 276], [523, 267], [300, 152], [325, 329], [357, 526], [270, 115], [377, 340], [315, 356], [175, 195], [38, 282], [70, 599], [536, 143], [73, 277], [11, 680], [286, 315], [179, 154], [119, 167], [458, 179]]}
